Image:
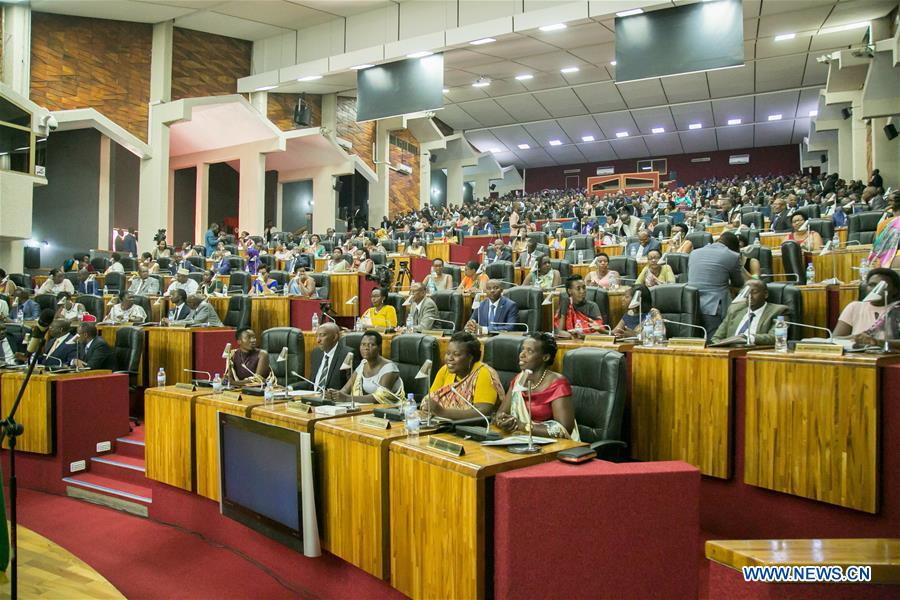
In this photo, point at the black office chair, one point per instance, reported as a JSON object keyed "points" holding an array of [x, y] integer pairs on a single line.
{"points": [[328, 245], [115, 282], [789, 295], [72, 276], [129, 263], [455, 272], [276, 338], [678, 261], [197, 261], [238, 313], [792, 259], [378, 258], [572, 254], [597, 377], [100, 263], [753, 218], [144, 302], [678, 302], [196, 276], [259, 240], [268, 260], [396, 300], [389, 245], [22, 280], [46, 301], [165, 264], [600, 297], [201, 250], [92, 304], [502, 353], [231, 246], [239, 282], [663, 227], [323, 284], [563, 266], [161, 281], [764, 255], [811, 211], [540, 236], [624, 266], [409, 351], [16, 334], [237, 263], [351, 341], [861, 226], [699, 239], [824, 227], [127, 352], [529, 300], [280, 277], [450, 308], [502, 270]]}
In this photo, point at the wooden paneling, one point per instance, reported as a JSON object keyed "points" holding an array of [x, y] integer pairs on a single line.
{"points": [[813, 426], [849, 292], [169, 435], [279, 415], [681, 406], [361, 135], [846, 261], [343, 287], [438, 250], [404, 189], [79, 62], [772, 240], [269, 311], [205, 64], [173, 349], [815, 308], [882, 555], [280, 110]]}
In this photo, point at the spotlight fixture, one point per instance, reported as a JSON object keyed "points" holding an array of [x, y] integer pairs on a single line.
{"points": [[420, 54], [613, 63], [482, 41], [524, 77], [813, 113], [785, 36], [310, 78], [524, 146], [482, 82], [569, 70], [555, 143], [774, 117]]}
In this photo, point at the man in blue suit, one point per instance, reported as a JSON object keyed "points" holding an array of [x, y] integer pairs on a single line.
{"points": [[62, 346], [643, 246], [494, 309]]}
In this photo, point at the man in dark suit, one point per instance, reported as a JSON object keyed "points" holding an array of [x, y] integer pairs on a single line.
{"points": [[180, 311], [753, 318], [327, 358], [494, 309], [93, 352], [712, 269], [62, 346], [643, 246], [779, 220], [498, 251], [129, 242]]}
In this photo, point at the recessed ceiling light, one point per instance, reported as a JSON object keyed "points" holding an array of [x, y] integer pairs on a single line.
{"points": [[482, 41], [265, 88], [734, 121], [445, 90], [554, 27], [613, 63], [813, 113], [695, 125], [524, 76], [420, 54], [483, 82], [524, 146], [587, 138], [628, 13], [569, 70], [785, 36], [310, 78], [555, 143], [658, 130], [365, 66], [847, 27], [774, 117], [621, 134]]}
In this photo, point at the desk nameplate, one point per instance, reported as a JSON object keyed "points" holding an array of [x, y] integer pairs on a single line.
{"points": [[446, 446]]}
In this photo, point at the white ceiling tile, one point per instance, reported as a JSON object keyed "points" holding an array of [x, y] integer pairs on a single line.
{"points": [[768, 47], [597, 152], [649, 118], [274, 12], [513, 136], [699, 140], [751, 26], [730, 82], [578, 127], [523, 107], [776, 7], [838, 39], [752, 8], [809, 100], [663, 144], [464, 93], [543, 81], [552, 61], [612, 123], [545, 131], [488, 113], [587, 75], [484, 140], [788, 22], [860, 10], [457, 118], [801, 130], [630, 148], [574, 37], [696, 112], [535, 157], [638, 94], [727, 109], [561, 103], [516, 48], [601, 97], [774, 134], [462, 58], [732, 138], [779, 73], [213, 22], [566, 155], [777, 103], [504, 87], [686, 88], [815, 73], [598, 54], [109, 9]]}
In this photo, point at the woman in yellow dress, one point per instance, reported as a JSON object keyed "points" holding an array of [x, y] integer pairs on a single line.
{"points": [[463, 376], [380, 314]]}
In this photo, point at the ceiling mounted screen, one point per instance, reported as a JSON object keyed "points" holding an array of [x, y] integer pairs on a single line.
{"points": [[399, 88], [684, 39]]}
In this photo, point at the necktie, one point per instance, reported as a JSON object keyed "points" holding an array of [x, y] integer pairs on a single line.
{"points": [[746, 326], [491, 316], [323, 374]]}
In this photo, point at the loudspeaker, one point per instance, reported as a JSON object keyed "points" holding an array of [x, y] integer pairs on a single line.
{"points": [[846, 113], [493, 187], [32, 257], [302, 115], [823, 159], [890, 130], [338, 184], [432, 157]]}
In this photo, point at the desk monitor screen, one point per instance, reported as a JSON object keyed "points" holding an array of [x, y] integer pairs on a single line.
{"points": [[260, 477]]}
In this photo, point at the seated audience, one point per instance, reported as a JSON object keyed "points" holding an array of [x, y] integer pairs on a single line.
{"points": [[68, 309], [7, 285], [247, 363], [326, 359], [115, 264], [679, 238], [202, 312], [211, 284], [864, 322], [809, 240], [631, 323], [653, 273], [416, 248], [182, 282], [421, 308], [62, 347], [337, 263], [380, 314], [577, 316], [437, 280], [545, 277], [56, 283], [754, 318], [375, 380], [473, 280], [142, 284], [23, 307], [126, 311], [529, 255], [363, 262], [601, 275], [498, 251], [495, 312], [87, 285], [93, 351], [179, 311], [162, 250], [463, 377], [8, 349], [302, 284], [263, 285], [643, 246]]}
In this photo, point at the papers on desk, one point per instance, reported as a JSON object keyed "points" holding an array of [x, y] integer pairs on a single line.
{"points": [[517, 440], [846, 343]]}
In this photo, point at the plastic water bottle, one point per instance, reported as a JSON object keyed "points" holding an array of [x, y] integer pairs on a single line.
{"points": [[411, 413], [314, 323], [660, 236], [835, 241], [810, 274], [659, 333], [357, 326], [756, 242], [613, 280], [580, 257], [647, 332], [752, 227], [432, 286], [217, 383], [864, 269], [268, 394], [781, 334], [161, 378]]}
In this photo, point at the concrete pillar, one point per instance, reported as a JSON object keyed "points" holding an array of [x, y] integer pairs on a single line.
{"points": [[329, 112], [844, 163], [161, 63], [325, 201], [201, 199], [455, 183], [154, 201], [424, 178], [279, 205], [481, 187], [886, 153], [260, 101], [251, 194], [17, 48], [379, 191], [104, 228], [859, 135]]}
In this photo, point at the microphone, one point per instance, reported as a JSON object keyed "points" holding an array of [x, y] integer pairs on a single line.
{"points": [[312, 383], [700, 327], [39, 331], [808, 326], [451, 323], [525, 325], [207, 373], [57, 359], [474, 433]]}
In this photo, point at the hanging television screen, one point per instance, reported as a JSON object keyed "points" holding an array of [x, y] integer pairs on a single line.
{"points": [[684, 39], [400, 88]]}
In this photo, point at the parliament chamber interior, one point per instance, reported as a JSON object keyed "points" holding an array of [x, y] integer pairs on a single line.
{"points": [[450, 299]]}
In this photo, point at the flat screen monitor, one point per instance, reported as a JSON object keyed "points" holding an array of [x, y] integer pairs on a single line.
{"points": [[684, 39], [400, 88], [260, 478]]}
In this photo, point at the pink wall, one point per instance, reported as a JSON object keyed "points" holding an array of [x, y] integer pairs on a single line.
{"points": [[777, 160]]}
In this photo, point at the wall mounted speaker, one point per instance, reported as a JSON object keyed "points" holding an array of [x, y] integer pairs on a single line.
{"points": [[823, 159], [302, 115], [338, 184], [846, 113], [890, 130], [32, 257]]}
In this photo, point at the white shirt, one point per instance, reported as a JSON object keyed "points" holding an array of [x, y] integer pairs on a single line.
{"points": [[6, 353], [118, 315], [754, 325], [4, 309], [190, 287], [330, 356], [54, 288], [116, 267]]}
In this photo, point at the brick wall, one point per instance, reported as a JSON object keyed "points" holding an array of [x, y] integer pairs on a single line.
{"points": [[205, 64], [92, 63], [361, 135], [280, 110], [404, 189]]}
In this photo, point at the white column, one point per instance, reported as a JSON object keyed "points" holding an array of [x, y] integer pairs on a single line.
{"points": [[154, 200], [251, 194], [201, 199], [886, 153], [859, 135], [104, 231], [324, 201], [379, 191], [424, 178], [260, 101], [161, 63], [279, 205], [455, 185], [17, 48], [329, 112], [481, 187], [845, 150]]}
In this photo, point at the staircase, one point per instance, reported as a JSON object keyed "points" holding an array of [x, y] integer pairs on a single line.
{"points": [[117, 478]]}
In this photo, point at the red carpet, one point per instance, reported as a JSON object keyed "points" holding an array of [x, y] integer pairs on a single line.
{"points": [[145, 559]]}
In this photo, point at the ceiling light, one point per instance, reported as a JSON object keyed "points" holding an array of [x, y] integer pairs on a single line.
{"points": [[554, 27], [613, 62], [358, 67], [587, 138], [445, 90], [813, 113], [774, 117], [785, 36], [555, 143], [569, 70], [482, 82], [310, 78], [524, 146], [621, 134], [524, 77], [420, 54], [495, 150], [482, 41], [658, 130], [844, 27], [695, 125], [628, 13], [734, 121], [265, 88]]}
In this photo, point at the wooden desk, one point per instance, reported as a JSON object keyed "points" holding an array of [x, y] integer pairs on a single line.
{"points": [[844, 262], [682, 406], [173, 349], [169, 435], [773, 240], [438, 539], [270, 311], [220, 304], [343, 287], [206, 436], [279, 415], [618, 304], [354, 497], [36, 411], [815, 308], [882, 555], [818, 436]]}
